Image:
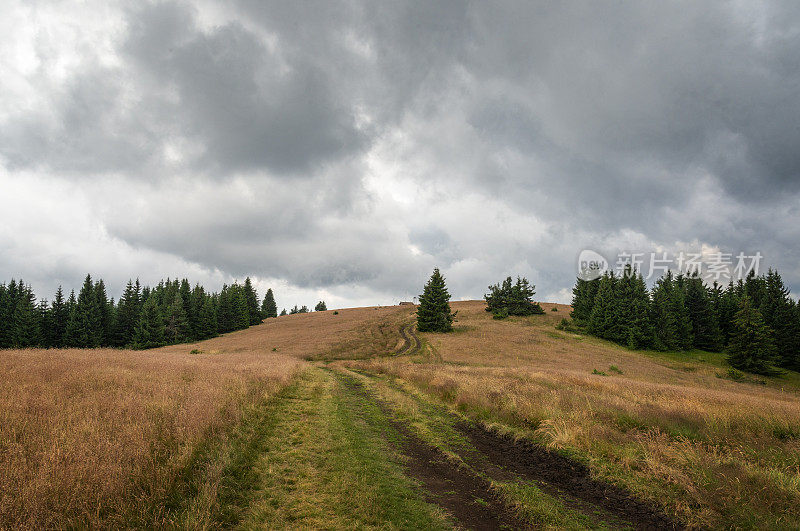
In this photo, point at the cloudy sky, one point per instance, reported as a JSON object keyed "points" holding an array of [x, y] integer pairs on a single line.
{"points": [[342, 150]]}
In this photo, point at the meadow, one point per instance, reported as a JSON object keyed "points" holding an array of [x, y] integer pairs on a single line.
{"points": [[333, 420], [671, 427], [102, 437]]}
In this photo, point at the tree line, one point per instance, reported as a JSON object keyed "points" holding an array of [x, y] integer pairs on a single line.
{"points": [[754, 320], [144, 317]]}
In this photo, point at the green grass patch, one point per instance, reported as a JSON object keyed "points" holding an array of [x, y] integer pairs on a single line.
{"points": [[328, 464]]}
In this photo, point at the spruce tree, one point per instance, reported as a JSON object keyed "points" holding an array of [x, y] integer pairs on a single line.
{"points": [[45, 316], [105, 310], [127, 314], [27, 333], [662, 319], [240, 306], [149, 332], [83, 328], [226, 320], [704, 325], [777, 309], [197, 302], [639, 333], [6, 318], [207, 321], [433, 312], [177, 325], [602, 318], [583, 295], [283, 312], [268, 307], [512, 299], [751, 348], [728, 306], [60, 315], [678, 308], [253, 310]]}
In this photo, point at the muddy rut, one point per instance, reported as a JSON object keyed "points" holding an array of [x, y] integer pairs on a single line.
{"points": [[469, 497], [411, 342]]}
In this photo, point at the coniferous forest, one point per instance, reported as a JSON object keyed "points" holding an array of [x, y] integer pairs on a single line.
{"points": [[144, 317], [754, 320]]}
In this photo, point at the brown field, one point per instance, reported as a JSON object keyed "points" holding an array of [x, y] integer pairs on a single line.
{"points": [[98, 437], [91, 437], [711, 451]]}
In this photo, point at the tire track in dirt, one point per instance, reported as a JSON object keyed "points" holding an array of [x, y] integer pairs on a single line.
{"points": [[468, 498], [411, 341], [502, 458], [562, 474]]}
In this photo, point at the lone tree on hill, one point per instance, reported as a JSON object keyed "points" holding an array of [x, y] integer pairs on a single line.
{"points": [[512, 299], [321, 307], [751, 348], [268, 307], [433, 313]]}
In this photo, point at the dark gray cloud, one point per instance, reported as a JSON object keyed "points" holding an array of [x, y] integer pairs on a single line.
{"points": [[332, 145]]}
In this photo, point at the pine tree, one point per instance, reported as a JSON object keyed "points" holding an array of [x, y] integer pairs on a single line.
{"points": [[226, 321], [662, 320], [45, 317], [512, 299], [6, 318], [283, 312], [601, 319], [241, 312], [104, 331], [777, 309], [433, 312], [150, 330], [60, 314], [207, 321], [197, 302], [751, 348], [678, 308], [83, 328], [186, 297], [26, 319], [639, 333], [268, 307], [728, 306], [704, 326], [583, 295], [127, 314], [321, 307], [177, 325], [251, 297]]}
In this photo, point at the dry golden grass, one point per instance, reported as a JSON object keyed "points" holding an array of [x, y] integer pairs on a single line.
{"points": [[91, 437], [712, 451]]}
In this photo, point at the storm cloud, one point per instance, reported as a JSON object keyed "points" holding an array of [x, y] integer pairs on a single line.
{"points": [[342, 150]]}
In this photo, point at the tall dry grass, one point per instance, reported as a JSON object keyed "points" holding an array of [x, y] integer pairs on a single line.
{"points": [[712, 451], [91, 437], [95, 438]]}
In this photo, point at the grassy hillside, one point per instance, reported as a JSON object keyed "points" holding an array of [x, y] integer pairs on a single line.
{"points": [[670, 427], [354, 420]]}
